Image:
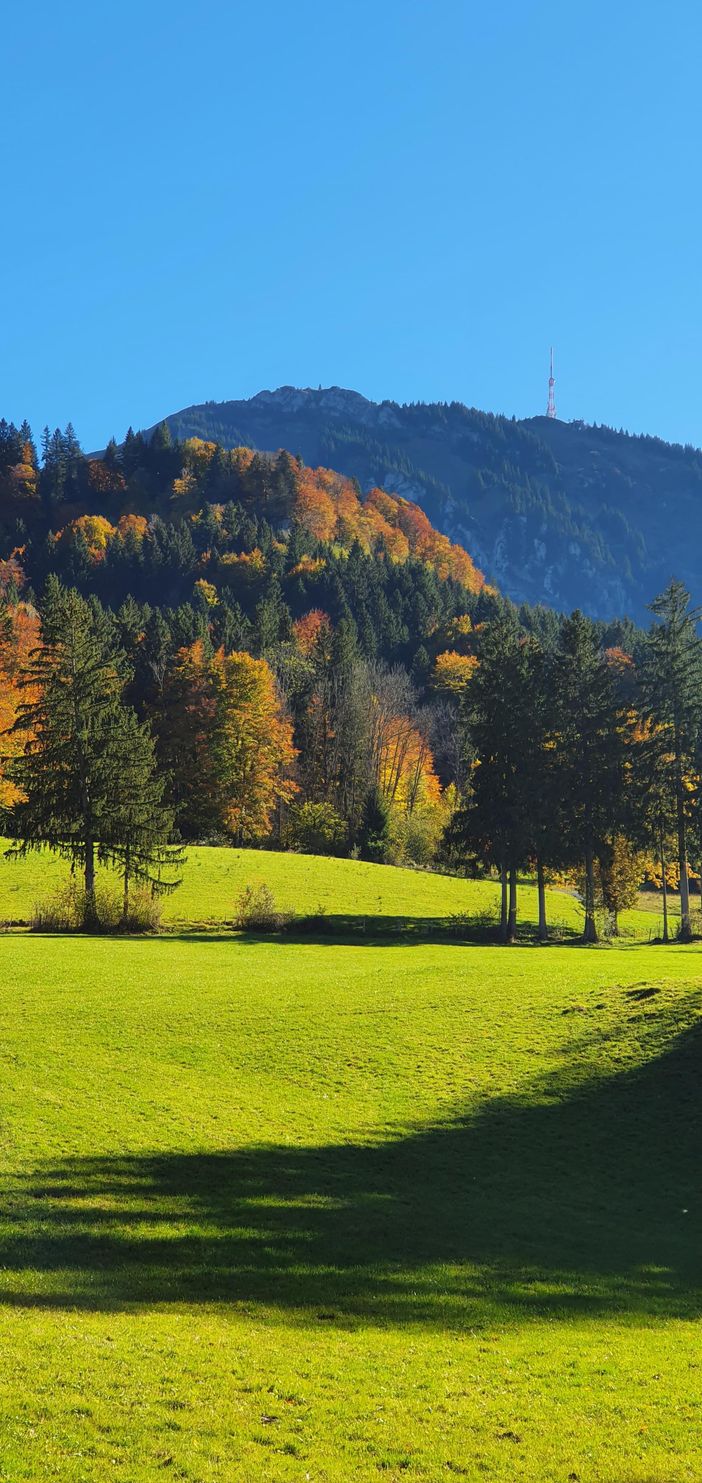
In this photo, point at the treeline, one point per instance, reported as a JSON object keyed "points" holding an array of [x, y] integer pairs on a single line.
{"points": [[303, 668], [534, 752], [588, 761]]}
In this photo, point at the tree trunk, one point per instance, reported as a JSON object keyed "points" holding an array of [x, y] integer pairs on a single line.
{"points": [[590, 932], [664, 883], [503, 903], [543, 925], [90, 903], [512, 918], [125, 902], [685, 927]]}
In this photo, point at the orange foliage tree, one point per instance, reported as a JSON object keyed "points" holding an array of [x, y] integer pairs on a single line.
{"points": [[311, 629], [330, 507], [19, 636]]}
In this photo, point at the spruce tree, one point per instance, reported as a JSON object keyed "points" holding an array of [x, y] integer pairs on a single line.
{"points": [[672, 691], [137, 835], [590, 752], [374, 828], [85, 757], [493, 825]]}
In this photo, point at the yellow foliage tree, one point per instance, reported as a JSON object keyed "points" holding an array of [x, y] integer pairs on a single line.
{"points": [[453, 672], [253, 744]]}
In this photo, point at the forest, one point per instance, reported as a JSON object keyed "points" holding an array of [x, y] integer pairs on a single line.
{"points": [[220, 646]]}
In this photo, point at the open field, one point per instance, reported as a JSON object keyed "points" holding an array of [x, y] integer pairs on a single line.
{"points": [[290, 1210]]}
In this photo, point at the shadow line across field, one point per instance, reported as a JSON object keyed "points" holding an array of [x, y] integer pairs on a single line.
{"points": [[584, 1199]]}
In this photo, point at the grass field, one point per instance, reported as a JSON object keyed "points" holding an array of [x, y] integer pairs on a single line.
{"points": [[290, 1210]]}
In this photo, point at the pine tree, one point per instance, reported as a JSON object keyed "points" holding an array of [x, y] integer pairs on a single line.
{"points": [[374, 832], [493, 825], [140, 830], [590, 753], [540, 770], [85, 757], [672, 692]]}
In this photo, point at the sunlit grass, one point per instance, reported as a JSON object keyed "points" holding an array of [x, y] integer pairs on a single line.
{"points": [[288, 1209]]}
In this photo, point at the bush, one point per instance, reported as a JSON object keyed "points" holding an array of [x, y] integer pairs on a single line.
{"points": [[413, 838], [65, 911], [256, 910], [144, 914], [317, 829], [58, 913]]}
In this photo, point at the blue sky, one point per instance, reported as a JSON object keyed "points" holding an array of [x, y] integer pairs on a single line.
{"points": [[413, 198]]}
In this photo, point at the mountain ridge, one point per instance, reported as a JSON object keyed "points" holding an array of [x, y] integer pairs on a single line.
{"points": [[568, 514]]}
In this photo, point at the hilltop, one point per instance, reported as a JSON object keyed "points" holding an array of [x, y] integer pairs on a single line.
{"points": [[560, 513]]}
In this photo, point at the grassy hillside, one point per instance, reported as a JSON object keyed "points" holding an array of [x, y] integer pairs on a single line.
{"points": [[344, 890], [313, 1210]]}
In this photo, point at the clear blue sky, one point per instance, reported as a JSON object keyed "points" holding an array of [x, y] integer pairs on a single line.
{"points": [[409, 197]]}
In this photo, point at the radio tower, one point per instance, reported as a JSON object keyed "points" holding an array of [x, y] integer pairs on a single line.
{"points": [[551, 412]]}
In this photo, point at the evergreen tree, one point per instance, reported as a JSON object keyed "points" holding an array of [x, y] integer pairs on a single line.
{"points": [[139, 831], [672, 692], [374, 832], [85, 758], [493, 824], [590, 751]]}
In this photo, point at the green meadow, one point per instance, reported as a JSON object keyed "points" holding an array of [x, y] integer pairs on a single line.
{"points": [[365, 1203]]}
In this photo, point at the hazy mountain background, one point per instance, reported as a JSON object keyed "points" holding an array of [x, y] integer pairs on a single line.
{"points": [[554, 512]]}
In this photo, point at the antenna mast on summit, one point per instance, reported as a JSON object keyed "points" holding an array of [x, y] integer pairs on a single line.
{"points": [[551, 411]]}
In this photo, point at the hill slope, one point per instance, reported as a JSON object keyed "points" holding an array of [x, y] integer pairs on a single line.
{"points": [[553, 512]]}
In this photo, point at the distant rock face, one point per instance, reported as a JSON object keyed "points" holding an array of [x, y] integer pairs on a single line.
{"points": [[553, 512]]}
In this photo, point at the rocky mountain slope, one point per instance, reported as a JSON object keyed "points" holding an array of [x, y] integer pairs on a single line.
{"points": [[553, 512]]}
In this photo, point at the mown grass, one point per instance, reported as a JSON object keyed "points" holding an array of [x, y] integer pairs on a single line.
{"points": [[310, 1209]]}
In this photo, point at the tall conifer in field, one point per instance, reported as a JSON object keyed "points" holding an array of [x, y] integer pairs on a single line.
{"points": [[137, 834], [494, 823], [540, 769], [672, 688], [591, 752], [86, 778]]}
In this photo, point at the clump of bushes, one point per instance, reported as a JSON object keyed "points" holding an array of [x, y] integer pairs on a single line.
{"points": [[256, 910], [317, 829], [67, 911]]}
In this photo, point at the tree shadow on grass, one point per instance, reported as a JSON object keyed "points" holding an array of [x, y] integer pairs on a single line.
{"points": [[583, 1200]]}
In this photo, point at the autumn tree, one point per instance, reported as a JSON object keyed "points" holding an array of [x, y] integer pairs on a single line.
{"points": [[226, 740], [19, 637]]}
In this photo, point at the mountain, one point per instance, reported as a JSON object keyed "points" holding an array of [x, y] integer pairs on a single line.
{"points": [[560, 513]]}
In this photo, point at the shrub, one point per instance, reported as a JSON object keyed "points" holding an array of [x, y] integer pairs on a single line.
{"points": [[317, 829], [144, 914], [256, 910], [65, 910], [413, 838], [60, 912]]}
